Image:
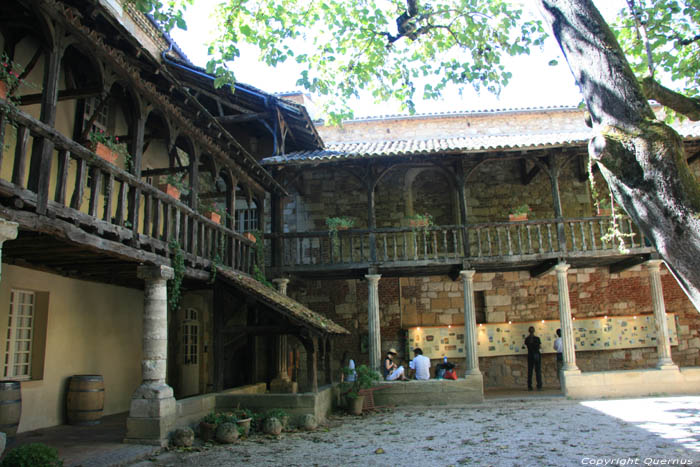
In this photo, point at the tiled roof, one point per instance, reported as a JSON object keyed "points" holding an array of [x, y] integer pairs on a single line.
{"points": [[346, 151], [283, 304], [336, 152]]}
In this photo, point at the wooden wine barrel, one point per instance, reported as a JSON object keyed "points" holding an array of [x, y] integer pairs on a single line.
{"points": [[10, 406], [86, 399]]}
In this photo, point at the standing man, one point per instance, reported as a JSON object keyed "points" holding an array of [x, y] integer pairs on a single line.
{"points": [[534, 358], [420, 364], [559, 348]]}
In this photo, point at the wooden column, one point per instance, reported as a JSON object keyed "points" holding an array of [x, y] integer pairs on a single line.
{"points": [[663, 343], [218, 338], [230, 221], [328, 350], [277, 214], [470, 338], [193, 172], [371, 214], [373, 323], [556, 199], [311, 346], [136, 150], [42, 148], [462, 197], [566, 323]]}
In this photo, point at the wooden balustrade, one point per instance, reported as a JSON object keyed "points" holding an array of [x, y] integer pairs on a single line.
{"points": [[499, 240], [103, 199]]}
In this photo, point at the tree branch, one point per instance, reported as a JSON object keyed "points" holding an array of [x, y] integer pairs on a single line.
{"points": [[688, 106]]}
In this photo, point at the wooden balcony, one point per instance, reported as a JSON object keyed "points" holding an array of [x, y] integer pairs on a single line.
{"points": [[534, 245], [90, 206]]}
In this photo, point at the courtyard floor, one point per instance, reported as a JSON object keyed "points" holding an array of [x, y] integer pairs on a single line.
{"points": [[523, 431]]}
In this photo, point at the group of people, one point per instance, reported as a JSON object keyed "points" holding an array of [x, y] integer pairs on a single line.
{"points": [[534, 356], [419, 367]]}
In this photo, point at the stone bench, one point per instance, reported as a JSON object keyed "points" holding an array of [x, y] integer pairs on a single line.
{"points": [[430, 392]]}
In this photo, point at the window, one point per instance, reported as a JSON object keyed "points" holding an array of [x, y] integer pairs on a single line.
{"points": [[190, 336], [102, 119], [247, 220], [20, 332]]}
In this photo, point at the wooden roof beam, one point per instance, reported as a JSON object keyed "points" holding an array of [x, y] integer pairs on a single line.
{"points": [[246, 117]]}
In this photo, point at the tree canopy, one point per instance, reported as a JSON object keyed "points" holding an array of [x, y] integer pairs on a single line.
{"points": [[391, 47]]}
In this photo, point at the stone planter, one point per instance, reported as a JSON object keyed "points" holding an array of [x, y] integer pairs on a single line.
{"points": [[227, 433], [517, 217], [206, 431], [103, 151], [272, 426], [169, 190], [355, 405], [245, 425]]}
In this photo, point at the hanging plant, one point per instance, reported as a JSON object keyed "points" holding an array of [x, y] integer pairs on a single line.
{"points": [[174, 285]]}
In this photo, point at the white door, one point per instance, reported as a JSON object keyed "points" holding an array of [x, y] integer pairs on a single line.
{"points": [[189, 374]]}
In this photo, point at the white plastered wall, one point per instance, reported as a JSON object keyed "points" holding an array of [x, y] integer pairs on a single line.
{"points": [[92, 329]]}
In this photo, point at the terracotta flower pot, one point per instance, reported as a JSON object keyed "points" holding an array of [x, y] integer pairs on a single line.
{"points": [[418, 223], [170, 190], [245, 424], [3, 90], [517, 217], [214, 216], [603, 212], [206, 431], [355, 405], [250, 236], [104, 152]]}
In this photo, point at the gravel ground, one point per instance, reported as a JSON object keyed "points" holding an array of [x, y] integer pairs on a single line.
{"points": [[499, 432]]}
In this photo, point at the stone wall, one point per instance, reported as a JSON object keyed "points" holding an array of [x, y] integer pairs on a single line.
{"points": [[508, 296]]}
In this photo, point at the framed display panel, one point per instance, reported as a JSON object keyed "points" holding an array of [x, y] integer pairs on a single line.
{"points": [[493, 339]]}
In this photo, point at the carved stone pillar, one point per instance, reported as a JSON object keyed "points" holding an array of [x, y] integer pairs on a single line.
{"points": [[8, 231], [663, 344], [567, 326], [153, 407], [375, 337], [470, 347]]}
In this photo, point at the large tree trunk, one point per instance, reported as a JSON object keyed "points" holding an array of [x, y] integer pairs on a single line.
{"points": [[641, 158]]}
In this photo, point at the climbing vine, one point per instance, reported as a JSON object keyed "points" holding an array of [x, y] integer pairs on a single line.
{"points": [[259, 266], [174, 285]]}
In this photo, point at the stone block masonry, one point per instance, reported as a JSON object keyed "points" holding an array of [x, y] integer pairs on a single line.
{"points": [[425, 301]]}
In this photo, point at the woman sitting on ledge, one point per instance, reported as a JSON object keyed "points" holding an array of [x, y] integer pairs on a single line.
{"points": [[392, 372]]}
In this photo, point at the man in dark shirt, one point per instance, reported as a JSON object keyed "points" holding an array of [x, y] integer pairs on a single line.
{"points": [[534, 358]]}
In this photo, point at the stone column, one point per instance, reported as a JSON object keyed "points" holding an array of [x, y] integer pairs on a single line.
{"points": [[8, 231], [567, 326], [153, 407], [470, 347], [663, 344], [375, 336], [282, 383]]}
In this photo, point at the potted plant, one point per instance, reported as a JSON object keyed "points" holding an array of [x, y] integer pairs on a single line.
{"points": [[603, 208], [207, 427], [519, 213], [173, 186], [339, 223], [420, 221], [245, 417], [250, 236], [107, 147], [365, 378], [212, 212]]}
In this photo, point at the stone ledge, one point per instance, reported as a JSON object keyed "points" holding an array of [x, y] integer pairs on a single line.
{"points": [[431, 392], [631, 383]]}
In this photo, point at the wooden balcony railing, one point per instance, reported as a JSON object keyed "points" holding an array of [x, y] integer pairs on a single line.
{"points": [[504, 240], [72, 183]]}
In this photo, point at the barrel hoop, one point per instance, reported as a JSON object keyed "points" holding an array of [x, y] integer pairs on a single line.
{"points": [[88, 422], [10, 385], [86, 390], [6, 402], [87, 378], [84, 410], [9, 425]]}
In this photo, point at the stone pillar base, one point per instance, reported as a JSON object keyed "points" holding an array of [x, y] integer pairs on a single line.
{"points": [[152, 415], [667, 366], [284, 386], [472, 372]]}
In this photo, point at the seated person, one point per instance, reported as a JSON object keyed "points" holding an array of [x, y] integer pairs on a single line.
{"points": [[390, 369], [420, 364]]}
